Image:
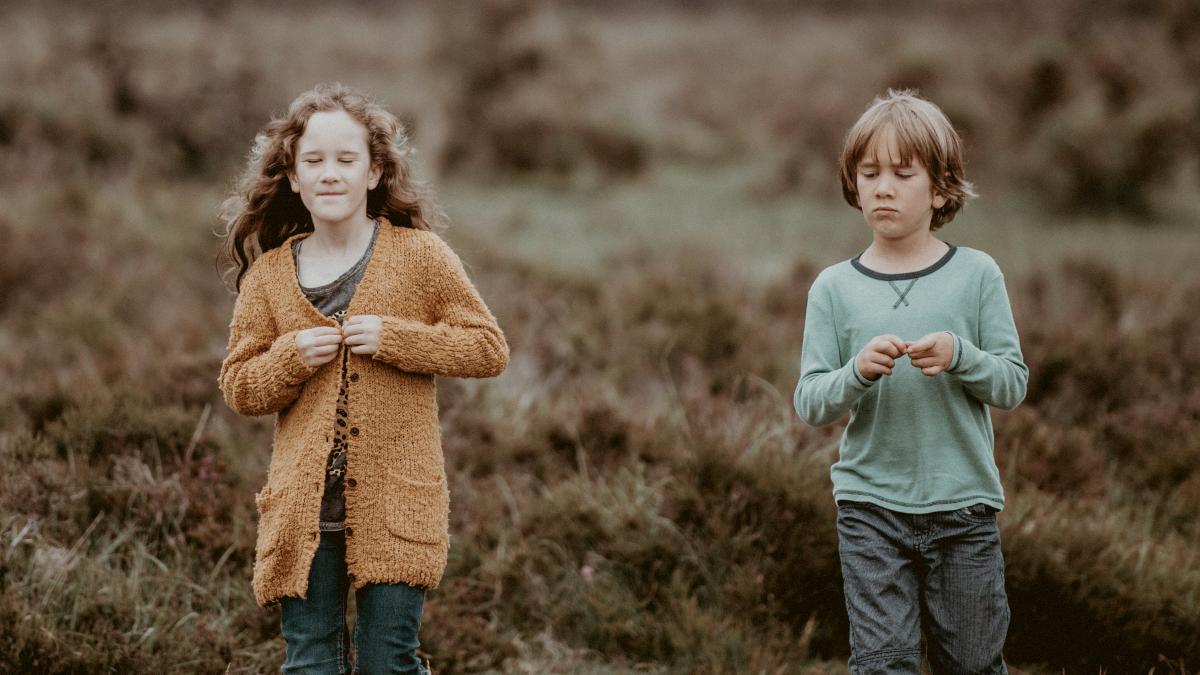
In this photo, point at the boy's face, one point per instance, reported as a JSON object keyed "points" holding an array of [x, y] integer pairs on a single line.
{"points": [[897, 199]]}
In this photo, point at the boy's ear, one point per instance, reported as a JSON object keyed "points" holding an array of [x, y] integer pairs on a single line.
{"points": [[939, 200]]}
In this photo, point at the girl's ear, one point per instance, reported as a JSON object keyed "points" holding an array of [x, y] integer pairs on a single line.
{"points": [[373, 176], [293, 181]]}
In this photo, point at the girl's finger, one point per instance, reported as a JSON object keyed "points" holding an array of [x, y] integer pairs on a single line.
{"points": [[932, 370]]}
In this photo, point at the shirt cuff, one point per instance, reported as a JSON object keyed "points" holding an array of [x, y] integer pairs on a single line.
{"points": [[857, 375], [956, 357]]}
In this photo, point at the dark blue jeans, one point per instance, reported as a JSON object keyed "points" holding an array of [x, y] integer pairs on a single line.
{"points": [[942, 572], [318, 641]]}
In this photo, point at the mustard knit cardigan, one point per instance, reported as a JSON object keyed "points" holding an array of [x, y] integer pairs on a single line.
{"points": [[397, 502]]}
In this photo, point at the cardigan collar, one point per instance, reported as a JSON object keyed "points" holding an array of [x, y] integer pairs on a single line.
{"points": [[288, 265]]}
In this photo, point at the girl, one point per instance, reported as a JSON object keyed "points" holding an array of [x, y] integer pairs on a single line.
{"points": [[348, 305]]}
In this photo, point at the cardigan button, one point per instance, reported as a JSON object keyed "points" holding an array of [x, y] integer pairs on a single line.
{"points": [[353, 431], [354, 377], [351, 482], [350, 576], [349, 531]]}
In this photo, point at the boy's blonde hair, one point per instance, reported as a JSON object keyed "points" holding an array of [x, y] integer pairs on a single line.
{"points": [[923, 133]]}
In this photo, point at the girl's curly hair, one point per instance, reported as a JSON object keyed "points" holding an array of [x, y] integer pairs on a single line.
{"points": [[262, 211]]}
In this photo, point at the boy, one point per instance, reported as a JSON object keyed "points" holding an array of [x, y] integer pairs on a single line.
{"points": [[916, 482]]}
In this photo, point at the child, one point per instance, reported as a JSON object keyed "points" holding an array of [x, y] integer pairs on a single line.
{"points": [[345, 314], [916, 483]]}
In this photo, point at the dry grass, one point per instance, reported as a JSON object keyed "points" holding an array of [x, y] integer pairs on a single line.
{"points": [[634, 494]]}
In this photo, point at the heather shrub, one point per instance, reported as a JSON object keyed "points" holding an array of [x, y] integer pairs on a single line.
{"points": [[114, 96], [635, 492], [527, 96]]}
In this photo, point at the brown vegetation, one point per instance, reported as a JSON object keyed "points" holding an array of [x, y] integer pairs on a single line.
{"points": [[635, 492]]}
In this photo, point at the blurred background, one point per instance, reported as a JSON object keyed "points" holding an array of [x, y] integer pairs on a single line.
{"points": [[643, 193]]}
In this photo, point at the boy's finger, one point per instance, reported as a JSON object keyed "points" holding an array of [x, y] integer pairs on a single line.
{"points": [[895, 343], [932, 370], [924, 344], [887, 347]]}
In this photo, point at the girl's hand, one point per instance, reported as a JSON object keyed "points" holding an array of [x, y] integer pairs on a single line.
{"points": [[362, 332], [879, 356], [932, 353], [318, 346]]}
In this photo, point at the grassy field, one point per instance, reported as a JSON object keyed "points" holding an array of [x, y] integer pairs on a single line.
{"points": [[643, 197]]}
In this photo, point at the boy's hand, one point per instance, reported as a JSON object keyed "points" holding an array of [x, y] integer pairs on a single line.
{"points": [[932, 353], [362, 333], [879, 356], [318, 346]]}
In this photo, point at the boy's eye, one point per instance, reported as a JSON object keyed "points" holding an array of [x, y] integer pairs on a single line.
{"points": [[867, 174], [311, 161]]}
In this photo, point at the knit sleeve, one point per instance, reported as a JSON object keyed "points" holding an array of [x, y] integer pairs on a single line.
{"points": [[263, 372], [829, 381], [464, 339], [992, 371]]}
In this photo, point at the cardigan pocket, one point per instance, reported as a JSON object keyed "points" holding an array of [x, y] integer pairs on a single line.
{"points": [[418, 511], [267, 502]]}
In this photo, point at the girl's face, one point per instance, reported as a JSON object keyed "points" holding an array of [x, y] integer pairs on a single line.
{"points": [[897, 199], [333, 169]]}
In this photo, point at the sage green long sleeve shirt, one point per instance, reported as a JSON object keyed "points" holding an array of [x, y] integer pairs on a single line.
{"points": [[914, 443]]}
